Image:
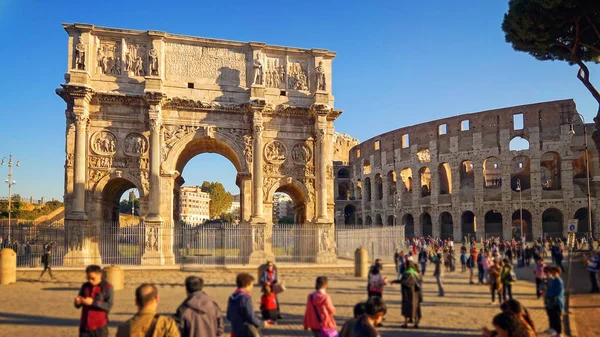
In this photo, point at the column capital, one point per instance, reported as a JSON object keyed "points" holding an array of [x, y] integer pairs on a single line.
{"points": [[155, 99]]}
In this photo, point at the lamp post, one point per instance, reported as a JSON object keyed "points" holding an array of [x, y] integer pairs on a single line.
{"points": [[10, 182], [397, 200], [520, 207], [587, 168]]}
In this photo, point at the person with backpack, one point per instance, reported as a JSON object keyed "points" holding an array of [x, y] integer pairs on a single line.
{"points": [[146, 322], [240, 310], [95, 299], [318, 316], [198, 315], [47, 263], [508, 278], [376, 281]]}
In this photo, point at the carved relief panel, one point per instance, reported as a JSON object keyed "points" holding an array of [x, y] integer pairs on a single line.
{"points": [[135, 145], [104, 143], [135, 59], [298, 75], [275, 152], [301, 154], [275, 73], [109, 58]]}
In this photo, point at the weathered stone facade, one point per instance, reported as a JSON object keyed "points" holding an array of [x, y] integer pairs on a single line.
{"points": [[458, 176], [141, 104]]}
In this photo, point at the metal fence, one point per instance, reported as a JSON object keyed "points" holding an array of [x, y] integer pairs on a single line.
{"points": [[190, 247], [381, 242]]}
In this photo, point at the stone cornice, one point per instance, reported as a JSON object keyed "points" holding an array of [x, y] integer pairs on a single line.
{"points": [[106, 98]]}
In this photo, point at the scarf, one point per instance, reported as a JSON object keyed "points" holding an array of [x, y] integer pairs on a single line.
{"points": [[411, 271]]}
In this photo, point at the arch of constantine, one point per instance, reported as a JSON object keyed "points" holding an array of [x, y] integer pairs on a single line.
{"points": [[479, 175], [141, 104]]}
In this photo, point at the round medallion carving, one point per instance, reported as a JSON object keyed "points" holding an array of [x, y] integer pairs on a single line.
{"points": [[104, 143], [135, 145], [301, 154], [275, 152]]}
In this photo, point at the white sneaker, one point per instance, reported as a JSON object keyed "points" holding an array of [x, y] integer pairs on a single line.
{"points": [[493, 303], [550, 331]]}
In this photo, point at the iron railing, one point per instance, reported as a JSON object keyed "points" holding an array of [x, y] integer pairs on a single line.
{"points": [[380, 241]]}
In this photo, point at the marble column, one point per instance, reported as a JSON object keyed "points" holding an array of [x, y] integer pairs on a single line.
{"points": [[257, 171], [322, 176], [154, 197], [81, 122]]}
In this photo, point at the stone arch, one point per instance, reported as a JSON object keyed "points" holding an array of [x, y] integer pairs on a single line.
{"points": [[368, 221], [109, 189], [426, 224], [467, 175], [493, 224], [580, 177], [552, 223], [583, 225], [343, 173], [527, 225], [344, 190], [367, 189], [550, 171], [406, 176], [445, 178], [425, 181], [299, 194], [390, 220], [409, 225], [378, 187], [520, 173], [366, 167], [378, 220], [447, 227], [391, 182], [468, 224], [358, 190], [518, 143], [492, 173], [350, 215]]}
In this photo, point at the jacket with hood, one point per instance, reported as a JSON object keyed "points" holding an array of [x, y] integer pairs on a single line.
{"points": [[199, 316], [240, 311], [322, 302]]}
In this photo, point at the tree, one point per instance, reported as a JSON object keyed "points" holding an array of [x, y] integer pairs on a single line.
{"points": [[220, 199], [558, 30]]}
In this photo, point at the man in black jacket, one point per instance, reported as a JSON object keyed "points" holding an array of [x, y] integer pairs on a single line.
{"points": [[198, 315], [47, 262]]}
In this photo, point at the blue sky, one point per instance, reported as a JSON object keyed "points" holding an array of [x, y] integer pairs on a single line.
{"points": [[399, 63]]}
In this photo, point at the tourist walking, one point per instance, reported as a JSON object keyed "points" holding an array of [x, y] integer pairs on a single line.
{"points": [[375, 310], [240, 310], [377, 281], [480, 268], [198, 315], [451, 259], [593, 271], [540, 276], [423, 257], [268, 305], [397, 258], [508, 278], [554, 300], [494, 274], [47, 263], [411, 296], [318, 316], [269, 277], [96, 298], [438, 273], [146, 322]]}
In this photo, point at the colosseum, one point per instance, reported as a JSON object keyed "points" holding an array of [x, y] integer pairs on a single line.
{"points": [[475, 175]]}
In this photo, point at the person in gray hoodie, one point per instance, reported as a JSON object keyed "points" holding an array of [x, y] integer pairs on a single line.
{"points": [[198, 315]]}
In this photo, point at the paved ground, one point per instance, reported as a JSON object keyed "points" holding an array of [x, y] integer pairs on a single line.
{"points": [[584, 306], [34, 308]]}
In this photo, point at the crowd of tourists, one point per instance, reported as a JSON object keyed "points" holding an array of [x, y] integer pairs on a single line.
{"points": [[490, 265]]}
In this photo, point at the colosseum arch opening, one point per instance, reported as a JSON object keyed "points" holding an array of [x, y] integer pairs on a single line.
{"points": [[350, 217], [447, 227], [366, 167], [425, 181], [493, 224], [445, 179], [409, 225], [426, 225], [527, 225], [406, 186], [467, 181], [583, 225], [368, 221], [378, 187], [358, 190], [344, 190], [580, 176], [390, 220], [520, 175], [367, 189], [518, 144], [378, 220], [391, 183], [468, 224], [552, 223], [550, 175]]}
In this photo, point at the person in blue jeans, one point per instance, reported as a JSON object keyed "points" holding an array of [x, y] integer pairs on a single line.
{"points": [[480, 268], [423, 260]]}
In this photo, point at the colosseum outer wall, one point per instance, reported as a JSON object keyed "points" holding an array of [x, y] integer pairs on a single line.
{"points": [[461, 175]]}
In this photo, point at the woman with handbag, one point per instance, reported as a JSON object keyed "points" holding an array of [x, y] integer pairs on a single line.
{"points": [[269, 278], [318, 316]]}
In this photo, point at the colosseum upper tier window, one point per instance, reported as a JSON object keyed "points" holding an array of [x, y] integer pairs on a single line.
{"points": [[518, 122], [377, 145], [442, 129], [405, 141], [465, 125]]}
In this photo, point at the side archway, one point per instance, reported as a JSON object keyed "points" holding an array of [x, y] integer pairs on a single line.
{"points": [[299, 194], [552, 223], [493, 224], [468, 224], [426, 224], [409, 225], [447, 228], [527, 225]]}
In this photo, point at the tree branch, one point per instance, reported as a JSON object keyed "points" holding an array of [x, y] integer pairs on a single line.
{"points": [[584, 76], [593, 26], [558, 44], [577, 36], [596, 49]]}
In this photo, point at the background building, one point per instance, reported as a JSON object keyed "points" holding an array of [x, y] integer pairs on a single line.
{"points": [[282, 206], [194, 205]]}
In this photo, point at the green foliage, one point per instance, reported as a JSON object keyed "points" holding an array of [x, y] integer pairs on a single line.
{"points": [[18, 213], [565, 30], [220, 199], [228, 217], [288, 219], [125, 206]]}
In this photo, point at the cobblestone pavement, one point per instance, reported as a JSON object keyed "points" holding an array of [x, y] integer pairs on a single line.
{"points": [[44, 308], [584, 306]]}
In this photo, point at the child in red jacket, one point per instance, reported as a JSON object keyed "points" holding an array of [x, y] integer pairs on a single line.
{"points": [[268, 305]]}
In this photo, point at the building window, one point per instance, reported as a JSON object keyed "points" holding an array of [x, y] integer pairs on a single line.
{"points": [[357, 153], [465, 125], [495, 165], [518, 122], [520, 165], [442, 129], [405, 141], [377, 145]]}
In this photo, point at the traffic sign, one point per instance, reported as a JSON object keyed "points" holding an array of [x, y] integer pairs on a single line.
{"points": [[573, 225]]}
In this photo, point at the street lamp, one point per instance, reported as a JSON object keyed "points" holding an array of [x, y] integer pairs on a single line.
{"points": [[10, 182], [397, 201], [587, 168], [520, 208]]}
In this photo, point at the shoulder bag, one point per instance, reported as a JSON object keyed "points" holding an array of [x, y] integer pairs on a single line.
{"points": [[325, 332]]}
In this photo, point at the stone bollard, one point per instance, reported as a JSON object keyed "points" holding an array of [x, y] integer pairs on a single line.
{"points": [[115, 276], [361, 263], [8, 266]]}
